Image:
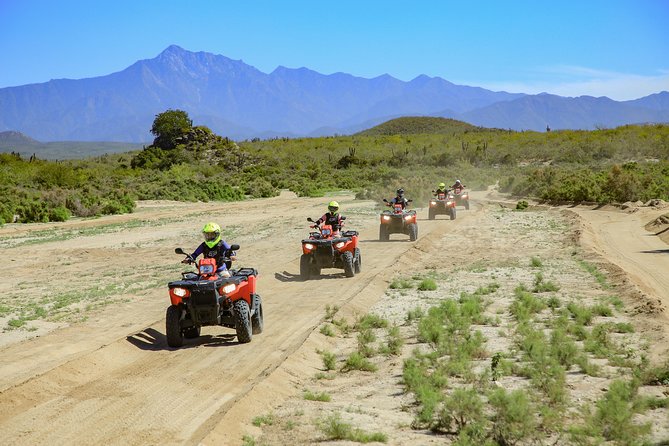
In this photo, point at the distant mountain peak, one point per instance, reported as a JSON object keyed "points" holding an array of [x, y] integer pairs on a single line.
{"points": [[173, 49], [421, 77], [14, 137]]}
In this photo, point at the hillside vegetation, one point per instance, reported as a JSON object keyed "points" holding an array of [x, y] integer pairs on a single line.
{"points": [[190, 163], [417, 125]]}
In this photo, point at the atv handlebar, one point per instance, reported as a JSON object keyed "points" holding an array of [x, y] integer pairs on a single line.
{"points": [[189, 259]]}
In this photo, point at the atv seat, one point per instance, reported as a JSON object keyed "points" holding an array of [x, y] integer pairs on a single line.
{"points": [[246, 272]]}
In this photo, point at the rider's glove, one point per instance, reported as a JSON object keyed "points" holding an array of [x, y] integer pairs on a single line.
{"points": [[186, 261]]}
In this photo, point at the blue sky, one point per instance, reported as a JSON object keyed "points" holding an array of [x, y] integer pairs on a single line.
{"points": [[614, 48]]}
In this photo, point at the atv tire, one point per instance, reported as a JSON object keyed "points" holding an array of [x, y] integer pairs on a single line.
{"points": [[452, 213], [357, 261], [173, 333], [347, 260], [242, 321], [384, 236], [467, 204], [413, 232], [192, 332], [305, 267], [257, 321], [430, 214]]}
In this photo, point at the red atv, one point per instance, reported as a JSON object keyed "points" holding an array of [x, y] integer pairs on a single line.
{"points": [[461, 197], [326, 248], [398, 220], [442, 203], [206, 297]]}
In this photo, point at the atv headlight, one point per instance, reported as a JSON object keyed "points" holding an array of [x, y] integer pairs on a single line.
{"points": [[339, 245], [408, 217], [181, 292], [308, 246], [229, 288], [386, 217], [433, 203], [206, 269]]}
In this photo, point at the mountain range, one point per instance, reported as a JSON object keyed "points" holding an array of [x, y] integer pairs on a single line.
{"points": [[237, 100]]}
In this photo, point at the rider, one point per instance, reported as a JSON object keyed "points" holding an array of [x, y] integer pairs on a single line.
{"points": [[399, 199], [441, 189], [214, 246], [458, 186], [332, 217]]}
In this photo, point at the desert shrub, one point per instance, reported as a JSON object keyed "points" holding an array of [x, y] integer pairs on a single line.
{"points": [[334, 428], [394, 342], [261, 188], [461, 408], [513, 419], [427, 284], [357, 361], [329, 360], [317, 396], [540, 286], [59, 213], [371, 321], [535, 262], [613, 418]]}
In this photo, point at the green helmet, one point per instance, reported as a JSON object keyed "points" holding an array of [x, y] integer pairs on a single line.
{"points": [[333, 206], [442, 185], [212, 234]]}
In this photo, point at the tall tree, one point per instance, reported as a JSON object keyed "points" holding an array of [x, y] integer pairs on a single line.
{"points": [[169, 126]]}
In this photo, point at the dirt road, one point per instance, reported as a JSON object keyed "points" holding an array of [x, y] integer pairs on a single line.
{"points": [[109, 378]]}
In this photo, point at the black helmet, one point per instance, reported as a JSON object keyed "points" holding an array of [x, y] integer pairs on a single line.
{"points": [[400, 192]]}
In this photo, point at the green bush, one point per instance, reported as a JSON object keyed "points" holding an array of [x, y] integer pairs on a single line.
{"points": [[59, 213], [513, 417]]}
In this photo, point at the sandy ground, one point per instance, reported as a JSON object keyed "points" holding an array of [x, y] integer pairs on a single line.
{"points": [[101, 371]]}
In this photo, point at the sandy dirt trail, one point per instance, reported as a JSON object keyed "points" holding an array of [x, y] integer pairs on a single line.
{"points": [[639, 255], [111, 379]]}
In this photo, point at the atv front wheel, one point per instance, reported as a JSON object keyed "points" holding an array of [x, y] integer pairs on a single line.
{"points": [[347, 259], [242, 321], [305, 267], [430, 214], [413, 232], [192, 332], [452, 213], [175, 337], [357, 261], [467, 204], [257, 322]]}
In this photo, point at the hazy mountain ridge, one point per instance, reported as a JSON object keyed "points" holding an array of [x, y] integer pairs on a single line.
{"points": [[239, 101], [17, 142]]}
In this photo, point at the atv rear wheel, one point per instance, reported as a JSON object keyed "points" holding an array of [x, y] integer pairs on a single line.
{"points": [[452, 213], [242, 321], [192, 332], [257, 321], [347, 259], [413, 232], [175, 337], [357, 261], [305, 267]]}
